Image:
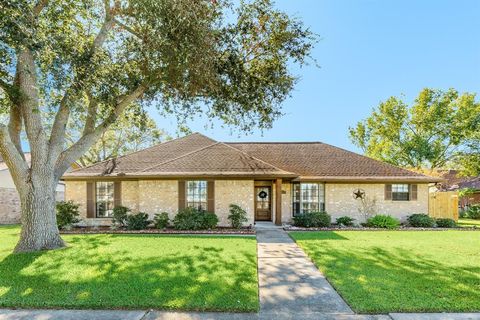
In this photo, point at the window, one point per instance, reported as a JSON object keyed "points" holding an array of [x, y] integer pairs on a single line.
{"points": [[197, 194], [400, 192], [308, 197], [104, 199]]}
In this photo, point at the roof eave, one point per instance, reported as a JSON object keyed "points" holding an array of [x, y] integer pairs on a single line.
{"points": [[424, 179], [174, 175]]}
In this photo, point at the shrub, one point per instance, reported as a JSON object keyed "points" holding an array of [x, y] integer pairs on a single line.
{"points": [[473, 212], [312, 220], [237, 216], [194, 219], [209, 220], [67, 214], [137, 221], [446, 223], [120, 216], [345, 221], [161, 220], [383, 221], [421, 220]]}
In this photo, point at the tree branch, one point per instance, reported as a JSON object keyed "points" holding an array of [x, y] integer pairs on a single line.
{"points": [[39, 7], [57, 135], [15, 128], [15, 160], [91, 118], [28, 100], [75, 151], [127, 28]]}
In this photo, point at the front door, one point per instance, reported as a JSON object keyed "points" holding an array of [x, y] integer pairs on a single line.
{"points": [[263, 206]]}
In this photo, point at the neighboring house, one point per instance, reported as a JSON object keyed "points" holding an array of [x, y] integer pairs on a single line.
{"points": [[271, 181], [9, 200], [454, 182]]}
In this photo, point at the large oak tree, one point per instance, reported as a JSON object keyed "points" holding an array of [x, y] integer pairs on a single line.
{"points": [[91, 59]]}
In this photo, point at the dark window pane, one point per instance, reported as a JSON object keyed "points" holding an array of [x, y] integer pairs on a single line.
{"points": [[197, 194], [104, 199]]}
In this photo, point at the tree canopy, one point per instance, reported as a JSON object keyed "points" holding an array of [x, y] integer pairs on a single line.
{"points": [[87, 61], [439, 129]]}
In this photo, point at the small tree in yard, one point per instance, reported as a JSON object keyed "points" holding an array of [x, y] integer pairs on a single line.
{"points": [[367, 207], [237, 216], [67, 214], [90, 60]]}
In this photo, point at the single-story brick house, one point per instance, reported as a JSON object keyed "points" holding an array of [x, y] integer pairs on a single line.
{"points": [[271, 181]]}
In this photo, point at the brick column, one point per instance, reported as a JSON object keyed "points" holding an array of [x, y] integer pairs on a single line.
{"points": [[278, 202]]}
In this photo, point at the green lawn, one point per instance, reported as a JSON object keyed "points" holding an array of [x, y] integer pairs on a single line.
{"points": [[387, 271], [132, 272], [468, 223]]}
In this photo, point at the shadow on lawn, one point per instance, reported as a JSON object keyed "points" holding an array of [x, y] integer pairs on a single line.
{"points": [[86, 275], [378, 280]]}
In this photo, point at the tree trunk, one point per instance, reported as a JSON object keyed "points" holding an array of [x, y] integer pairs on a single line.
{"points": [[39, 222]]}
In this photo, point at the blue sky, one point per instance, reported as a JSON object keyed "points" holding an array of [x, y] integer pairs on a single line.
{"points": [[369, 51]]}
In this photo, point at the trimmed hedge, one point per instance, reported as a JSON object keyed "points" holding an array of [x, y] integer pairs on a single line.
{"points": [[194, 219], [137, 221], [345, 221], [312, 220], [446, 223], [67, 214], [161, 220], [421, 220], [237, 216], [383, 221]]}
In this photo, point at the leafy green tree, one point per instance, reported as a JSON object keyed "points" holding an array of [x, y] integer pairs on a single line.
{"points": [[468, 159], [133, 131], [433, 132], [95, 58]]}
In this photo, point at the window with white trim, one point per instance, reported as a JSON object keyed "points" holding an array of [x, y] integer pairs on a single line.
{"points": [[308, 197], [104, 199], [197, 194], [400, 192]]}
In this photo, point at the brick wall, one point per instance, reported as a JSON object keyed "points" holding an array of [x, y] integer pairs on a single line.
{"points": [[339, 200], [10, 205], [156, 196], [239, 192], [77, 192]]}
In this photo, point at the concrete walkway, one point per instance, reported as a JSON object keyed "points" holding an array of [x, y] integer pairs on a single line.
{"points": [[289, 281]]}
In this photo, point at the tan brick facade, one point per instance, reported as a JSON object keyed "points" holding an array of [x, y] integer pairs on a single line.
{"points": [[239, 192], [339, 200], [155, 196], [77, 192]]}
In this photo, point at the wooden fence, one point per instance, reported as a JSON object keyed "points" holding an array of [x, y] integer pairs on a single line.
{"points": [[443, 205]]}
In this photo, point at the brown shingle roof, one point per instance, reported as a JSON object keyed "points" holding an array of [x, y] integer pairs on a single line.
{"points": [[317, 159], [217, 159], [197, 155]]}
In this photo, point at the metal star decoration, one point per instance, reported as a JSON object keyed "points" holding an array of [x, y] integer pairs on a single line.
{"points": [[358, 194]]}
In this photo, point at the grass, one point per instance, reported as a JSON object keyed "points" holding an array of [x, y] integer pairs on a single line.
{"points": [[468, 223], [132, 272], [399, 271]]}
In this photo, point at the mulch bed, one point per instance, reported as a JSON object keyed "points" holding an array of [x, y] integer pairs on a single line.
{"points": [[292, 228], [108, 230]]}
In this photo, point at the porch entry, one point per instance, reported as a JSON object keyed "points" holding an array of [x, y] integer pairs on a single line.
{"points": [[263, 203]]}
